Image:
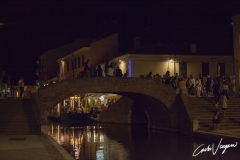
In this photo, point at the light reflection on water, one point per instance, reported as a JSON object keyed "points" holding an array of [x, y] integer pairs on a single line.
{"points": [[123, 142]]}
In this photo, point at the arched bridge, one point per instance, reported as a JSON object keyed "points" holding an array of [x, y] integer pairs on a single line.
{"points": [[155, 98]]}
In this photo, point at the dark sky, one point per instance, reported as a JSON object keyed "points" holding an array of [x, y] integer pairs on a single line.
{"points": [[34, 27]]}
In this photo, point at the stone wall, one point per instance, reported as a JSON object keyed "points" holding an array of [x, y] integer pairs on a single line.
{"points": [[151, 112], [145, 101], [117, 112]]}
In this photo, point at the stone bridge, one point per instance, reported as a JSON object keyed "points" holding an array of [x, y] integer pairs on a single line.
{"points": [[154, 102]]}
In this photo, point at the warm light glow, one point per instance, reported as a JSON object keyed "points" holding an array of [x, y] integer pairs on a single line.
{"points": [[101, 98], [171, 60]]}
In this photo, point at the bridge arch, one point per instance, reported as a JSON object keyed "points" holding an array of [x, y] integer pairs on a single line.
{"points": [[134, 88]]}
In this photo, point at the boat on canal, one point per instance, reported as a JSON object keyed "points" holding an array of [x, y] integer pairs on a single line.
{"points": [[74, 118]]}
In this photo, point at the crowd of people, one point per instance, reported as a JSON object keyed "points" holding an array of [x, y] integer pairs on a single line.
{"points": [[5, 82], [110, 70], [219, 87], [196, 87]]}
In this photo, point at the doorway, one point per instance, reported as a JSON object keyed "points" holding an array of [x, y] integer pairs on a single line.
{"points": [[182, 69], [221, 69]]}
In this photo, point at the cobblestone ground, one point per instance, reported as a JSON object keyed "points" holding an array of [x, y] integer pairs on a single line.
{"points": [[51, 149]]}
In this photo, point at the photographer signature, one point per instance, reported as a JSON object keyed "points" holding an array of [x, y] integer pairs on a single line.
{"points": [[209, 148]]}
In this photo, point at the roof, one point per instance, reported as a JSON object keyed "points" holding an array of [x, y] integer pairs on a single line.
{"points": [[162, 49]]}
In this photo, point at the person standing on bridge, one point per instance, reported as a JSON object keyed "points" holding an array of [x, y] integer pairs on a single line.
{"points": [[92, 71], [125, 75], [5, 83], [118, 72], [110, 71], [86, 69], [99, 71], [149, 75], [21, 86]]}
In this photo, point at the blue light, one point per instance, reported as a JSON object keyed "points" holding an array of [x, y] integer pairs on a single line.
{"points": [[129, 68]]}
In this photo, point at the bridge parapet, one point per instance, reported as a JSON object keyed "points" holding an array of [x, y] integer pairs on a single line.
{"points": [[66, 88]]}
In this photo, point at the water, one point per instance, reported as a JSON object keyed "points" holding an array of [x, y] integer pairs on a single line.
{"points": [[122, 142]]}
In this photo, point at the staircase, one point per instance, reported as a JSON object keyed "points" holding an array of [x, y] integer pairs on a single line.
{"points": [[17, 117], [203, 109]]}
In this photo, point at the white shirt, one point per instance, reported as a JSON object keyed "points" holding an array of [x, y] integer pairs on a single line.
{"points": [[21, 83], [225, 87], [110, 71], [192, 81]]}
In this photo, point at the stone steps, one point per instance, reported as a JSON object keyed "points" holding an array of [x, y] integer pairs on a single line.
{"points": [[17, 117], [202, 109]]}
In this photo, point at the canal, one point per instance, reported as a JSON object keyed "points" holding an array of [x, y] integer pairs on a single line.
{"points": [[101, 141]]}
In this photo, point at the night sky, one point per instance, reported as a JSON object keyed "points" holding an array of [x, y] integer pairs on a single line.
{"points": [[27, 29]]}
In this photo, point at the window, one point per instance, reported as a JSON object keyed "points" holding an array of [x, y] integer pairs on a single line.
{"points": [[75, 63], [67, 65], [83, 60], [205, 69], [72, 64], [79, 65]]}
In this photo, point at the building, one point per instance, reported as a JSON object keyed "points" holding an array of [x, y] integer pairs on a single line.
{"points": [[73, 63], [236, 48], [48, 66], [159, 59]]}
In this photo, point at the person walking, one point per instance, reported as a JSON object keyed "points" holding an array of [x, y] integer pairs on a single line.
{"points": [[225, 89], [208, 86], [224, 103], [216, 91], [198, 87], [192, 86], [21, 86], [216, 119], [176, 80], [182, 86]]}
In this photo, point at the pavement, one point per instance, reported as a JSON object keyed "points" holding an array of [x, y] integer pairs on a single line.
{"points": [[229, 135], [32, 147], [44, 147]]}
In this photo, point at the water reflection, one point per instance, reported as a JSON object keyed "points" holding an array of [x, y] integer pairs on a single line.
{"points": [[123, 142]]}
